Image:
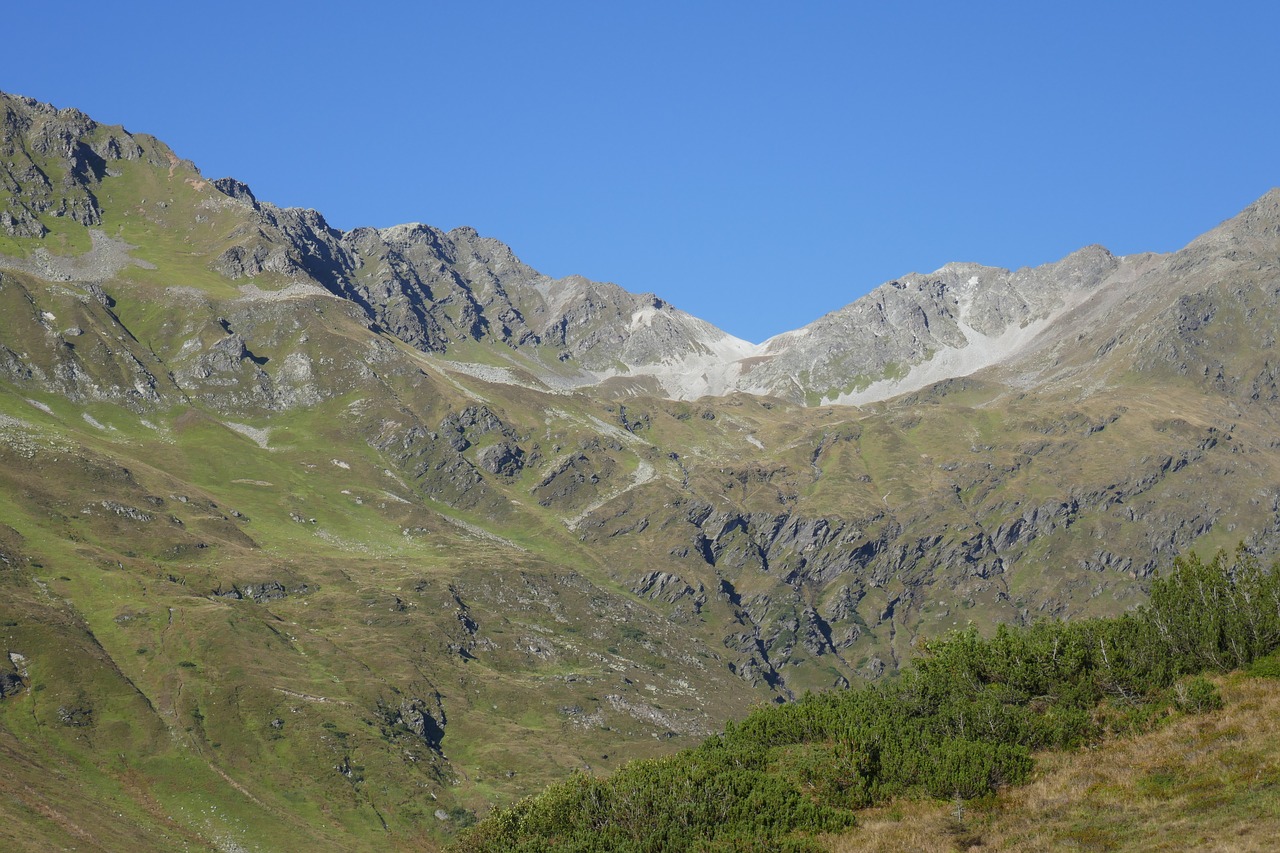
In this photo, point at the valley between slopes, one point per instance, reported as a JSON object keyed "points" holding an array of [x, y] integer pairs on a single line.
{"points": [[312, 538]]}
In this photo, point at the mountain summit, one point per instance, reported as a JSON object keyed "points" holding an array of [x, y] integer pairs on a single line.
{"points": [[444, 292]]}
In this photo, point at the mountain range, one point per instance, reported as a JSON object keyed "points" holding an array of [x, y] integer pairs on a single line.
{"points": [[342, 537]]}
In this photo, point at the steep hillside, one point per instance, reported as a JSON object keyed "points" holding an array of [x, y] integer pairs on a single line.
{"points": [[392, 513], [961, 724], [910, 333], [1204, 783]]}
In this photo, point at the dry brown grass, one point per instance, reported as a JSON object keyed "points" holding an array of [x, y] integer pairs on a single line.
{"points": [[1206, 782]]}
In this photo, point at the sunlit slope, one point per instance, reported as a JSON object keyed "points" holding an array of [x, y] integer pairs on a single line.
{"points": [[256, 471], [1202, 783]]}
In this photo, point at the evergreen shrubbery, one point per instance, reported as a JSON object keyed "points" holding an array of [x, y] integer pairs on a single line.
{"points": [[962, 721]]}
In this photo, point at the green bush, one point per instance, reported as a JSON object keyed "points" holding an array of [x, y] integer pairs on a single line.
{"points": [[1266, 667], [1197, 695], [837, 773]]}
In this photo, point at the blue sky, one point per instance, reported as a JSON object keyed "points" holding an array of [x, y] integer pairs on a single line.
{"points": [[756, 164]]}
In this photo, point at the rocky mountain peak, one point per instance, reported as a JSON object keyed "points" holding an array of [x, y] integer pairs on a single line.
{"points": [[1259, 221], [437, 290], [233, 188]]}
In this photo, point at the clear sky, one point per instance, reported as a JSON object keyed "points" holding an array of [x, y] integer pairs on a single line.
{"points": [[757, 164]]}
